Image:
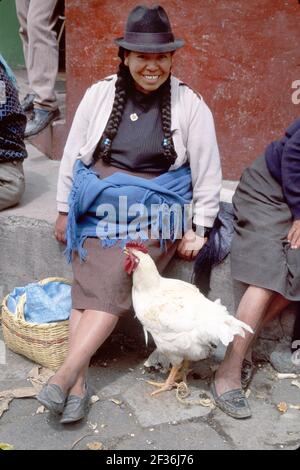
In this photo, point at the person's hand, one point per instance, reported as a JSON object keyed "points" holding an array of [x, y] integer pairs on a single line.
{"points": [[294, 235], [61, 227], [190, 245]]}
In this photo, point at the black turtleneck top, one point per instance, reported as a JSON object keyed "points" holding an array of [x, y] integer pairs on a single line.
{"points": [[138, 143]]}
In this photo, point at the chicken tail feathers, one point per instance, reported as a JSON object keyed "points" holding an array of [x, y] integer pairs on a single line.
{"points": [[230, 327]]}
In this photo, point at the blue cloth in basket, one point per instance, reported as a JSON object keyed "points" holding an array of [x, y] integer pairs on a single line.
{"points": [[44, 303]]}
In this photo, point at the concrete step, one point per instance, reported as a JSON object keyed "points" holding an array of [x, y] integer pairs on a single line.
{"points": [[51, 140]]}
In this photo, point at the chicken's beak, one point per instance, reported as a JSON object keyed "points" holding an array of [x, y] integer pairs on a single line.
{"points": [[125, 251]]}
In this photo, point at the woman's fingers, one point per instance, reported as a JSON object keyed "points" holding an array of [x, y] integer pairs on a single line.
{"points": [[60, 236], [294, 235], [181, 250], [188, 255], [190, 245], [295, 240], [60, 228]]}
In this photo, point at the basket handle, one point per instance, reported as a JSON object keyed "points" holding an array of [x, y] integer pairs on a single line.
{"points": [[20, 307], [54, 279]]}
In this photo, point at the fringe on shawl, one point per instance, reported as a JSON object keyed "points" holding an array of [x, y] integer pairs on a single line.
{"points": [[81, 173]]}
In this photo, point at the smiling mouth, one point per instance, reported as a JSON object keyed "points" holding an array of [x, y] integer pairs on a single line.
{"points": [[151, 78]]}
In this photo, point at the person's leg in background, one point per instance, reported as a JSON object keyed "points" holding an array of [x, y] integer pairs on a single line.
{"points": [[12, 183], [41, 49], [43, 52], [22, 7]]}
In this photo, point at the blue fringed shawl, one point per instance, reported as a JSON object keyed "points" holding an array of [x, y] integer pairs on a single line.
{"points": [[89, 192]]}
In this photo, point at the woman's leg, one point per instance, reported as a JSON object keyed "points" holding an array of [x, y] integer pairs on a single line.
{"points": [[251, 310], [78, 388], [277, 305], [88, 332]]}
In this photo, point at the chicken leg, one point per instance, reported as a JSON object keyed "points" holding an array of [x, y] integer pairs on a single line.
{"points": [[169, 383], [177, 373]]}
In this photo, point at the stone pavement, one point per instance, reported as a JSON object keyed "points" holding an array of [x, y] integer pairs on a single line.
{"points": [[126, 417]]}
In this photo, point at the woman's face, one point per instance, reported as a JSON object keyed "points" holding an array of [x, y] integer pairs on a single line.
{"points": [[149, 71]]}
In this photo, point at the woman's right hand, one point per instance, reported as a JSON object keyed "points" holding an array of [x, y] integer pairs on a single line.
{"points": [[61, 227], [294, 235]]}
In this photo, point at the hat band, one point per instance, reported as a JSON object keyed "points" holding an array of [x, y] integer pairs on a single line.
{"points": [[148, 38]]}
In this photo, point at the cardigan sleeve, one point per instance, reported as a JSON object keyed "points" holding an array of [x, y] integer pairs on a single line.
{"points": [[203, 155], [290, 171], [76, 140]]}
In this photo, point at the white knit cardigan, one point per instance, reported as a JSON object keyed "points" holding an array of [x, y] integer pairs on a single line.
{"points": [[194, 140]]}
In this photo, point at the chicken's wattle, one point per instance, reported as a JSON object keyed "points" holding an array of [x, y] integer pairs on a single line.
{"points": [[131, 263]]}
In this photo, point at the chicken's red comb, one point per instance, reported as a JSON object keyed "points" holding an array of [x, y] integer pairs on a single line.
{"points": [[137, 246]]}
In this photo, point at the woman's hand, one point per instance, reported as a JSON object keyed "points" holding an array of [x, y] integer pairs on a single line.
{"points": [[294, 235], [190, 245], [61, 227]]}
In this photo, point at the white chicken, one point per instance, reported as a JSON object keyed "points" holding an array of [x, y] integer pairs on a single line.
{"points": [[184, 324]]}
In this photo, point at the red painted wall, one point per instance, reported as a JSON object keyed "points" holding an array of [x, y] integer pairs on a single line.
{"points": [[241, 56]]}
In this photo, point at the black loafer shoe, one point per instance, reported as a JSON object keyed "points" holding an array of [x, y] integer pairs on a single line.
{"points": [[41, 118], [234, 403]]}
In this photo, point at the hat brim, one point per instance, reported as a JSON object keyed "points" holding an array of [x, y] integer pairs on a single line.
{"points": [[151, 48]]}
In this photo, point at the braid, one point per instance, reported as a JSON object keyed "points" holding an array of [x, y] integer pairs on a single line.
{"points": [[168, 144], [103, 148], [123, 83]]}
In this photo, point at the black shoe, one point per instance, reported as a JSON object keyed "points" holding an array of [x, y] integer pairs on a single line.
{"points": [[41, 118], [27, 103], [234, 402]]}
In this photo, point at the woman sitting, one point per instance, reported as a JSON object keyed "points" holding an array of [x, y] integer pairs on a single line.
{"points": [[144, 134], [265, 255]]}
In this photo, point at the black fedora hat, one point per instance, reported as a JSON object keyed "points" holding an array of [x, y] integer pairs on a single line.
{"points": [[149, 30]]}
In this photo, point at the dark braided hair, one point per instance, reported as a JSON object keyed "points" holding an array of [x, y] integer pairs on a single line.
{"points": [[123, 83], [168, 144], [103, 148]]}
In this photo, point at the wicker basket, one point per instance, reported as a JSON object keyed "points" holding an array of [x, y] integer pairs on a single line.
{"points": [[44, 343]]}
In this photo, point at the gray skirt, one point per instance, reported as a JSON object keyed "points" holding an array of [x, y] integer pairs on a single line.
{"points": [[260, 253]]}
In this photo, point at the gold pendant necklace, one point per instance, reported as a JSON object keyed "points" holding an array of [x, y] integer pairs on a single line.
{"points": [[133, 117]]}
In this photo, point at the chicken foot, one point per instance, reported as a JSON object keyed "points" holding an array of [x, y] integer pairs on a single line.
{"points": [[184, 372], [177, 372]]}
